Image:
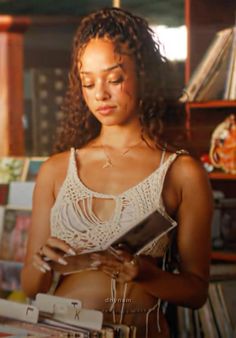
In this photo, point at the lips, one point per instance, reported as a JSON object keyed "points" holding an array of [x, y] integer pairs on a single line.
{"points": [[105, 110]]}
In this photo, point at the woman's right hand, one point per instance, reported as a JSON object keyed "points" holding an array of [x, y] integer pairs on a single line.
{"points": [[53, 250]]}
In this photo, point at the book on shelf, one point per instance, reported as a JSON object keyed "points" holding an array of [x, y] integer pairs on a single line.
{"points": [[227, 295], [212, 87], [217, 315], [20, 195], [4, 188], [218, 311], [220, 271], [186, 323], [224, 222], [10, 275], [12, 169], [18, 169], [230, 88], [222, 297], [15, 227], [207, 321], [32, 168], [214, 77], [2, 212]]}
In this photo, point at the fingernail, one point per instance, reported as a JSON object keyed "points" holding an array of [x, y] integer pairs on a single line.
{"points": [[94, 264], [71, 252], [46, 267], [62, 261], [42, 269]]}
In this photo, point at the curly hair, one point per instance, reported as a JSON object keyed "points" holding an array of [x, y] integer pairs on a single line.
{"points": [[79, 125]]}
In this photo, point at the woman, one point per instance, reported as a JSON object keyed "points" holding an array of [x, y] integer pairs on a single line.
{"points": [[116, 174]]}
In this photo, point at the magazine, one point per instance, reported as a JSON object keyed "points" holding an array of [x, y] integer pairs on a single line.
{"points": [[10, 275], [12, 169], [14, 234]]}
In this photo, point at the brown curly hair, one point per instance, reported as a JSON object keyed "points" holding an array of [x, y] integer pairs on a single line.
{"points": [[79, 125]]}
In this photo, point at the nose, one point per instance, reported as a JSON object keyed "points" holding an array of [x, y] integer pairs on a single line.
{"points": [[102, 92]]}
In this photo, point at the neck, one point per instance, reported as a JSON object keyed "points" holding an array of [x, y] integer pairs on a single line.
{"points": [[119, 138]]}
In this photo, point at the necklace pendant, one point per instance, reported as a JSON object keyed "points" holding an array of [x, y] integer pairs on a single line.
{"points": [[125, 152], [108, 164]]}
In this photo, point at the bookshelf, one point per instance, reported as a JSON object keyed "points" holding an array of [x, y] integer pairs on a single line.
{"points": [[11, 92], [17, 181], [212, 104], [203, 20]]}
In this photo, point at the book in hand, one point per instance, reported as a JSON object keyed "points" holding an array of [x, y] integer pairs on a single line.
{"points": [[145, 232], [133, 239]]}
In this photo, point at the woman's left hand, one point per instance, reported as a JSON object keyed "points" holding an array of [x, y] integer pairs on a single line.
{"points": [[123, 267]]}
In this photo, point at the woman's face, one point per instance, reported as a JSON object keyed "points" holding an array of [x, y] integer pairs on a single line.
{"points": [[109, 83]]}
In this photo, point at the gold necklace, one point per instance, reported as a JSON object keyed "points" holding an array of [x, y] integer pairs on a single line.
{"points": [[123, 153]]}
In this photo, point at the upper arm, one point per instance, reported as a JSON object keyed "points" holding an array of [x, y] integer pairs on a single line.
{"points": [[43, 199], [194, 218]]}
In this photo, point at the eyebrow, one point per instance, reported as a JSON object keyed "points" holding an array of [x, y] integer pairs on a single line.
{"points": [[119, 65]]}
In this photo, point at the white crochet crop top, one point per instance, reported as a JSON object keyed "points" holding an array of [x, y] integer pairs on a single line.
{"points": [[73, 219]]}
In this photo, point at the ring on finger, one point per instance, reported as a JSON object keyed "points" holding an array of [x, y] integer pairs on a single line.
{"points": [[134, 261], [115, 274]]}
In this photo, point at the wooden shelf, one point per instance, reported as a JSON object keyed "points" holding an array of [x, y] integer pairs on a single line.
{"points": [[213, 104], [219, 175], [229, 256]]}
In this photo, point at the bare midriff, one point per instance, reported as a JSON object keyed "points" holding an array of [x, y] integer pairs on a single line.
{"points": [[93, 288]]}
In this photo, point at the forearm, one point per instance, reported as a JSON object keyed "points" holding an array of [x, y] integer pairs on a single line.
{"points": [[184, 289], [34, 281]]}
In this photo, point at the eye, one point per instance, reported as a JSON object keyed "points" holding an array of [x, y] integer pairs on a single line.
{"points": [[116, 81], [88, 86]]}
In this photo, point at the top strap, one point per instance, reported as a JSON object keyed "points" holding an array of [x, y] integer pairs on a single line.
{"points": [[182, 152], [167, 164], [163, 156], [72, 165]]}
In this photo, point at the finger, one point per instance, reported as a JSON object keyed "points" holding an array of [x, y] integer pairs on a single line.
{"points": [[115, 253], [107, 257], [126, 256], [60, 245], [106, 262], [51, 254], [40, 264], [55, 249], [132, 267]]}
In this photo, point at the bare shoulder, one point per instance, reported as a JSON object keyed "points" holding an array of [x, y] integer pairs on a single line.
{"points": [[55, 166], [188, 172]]}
